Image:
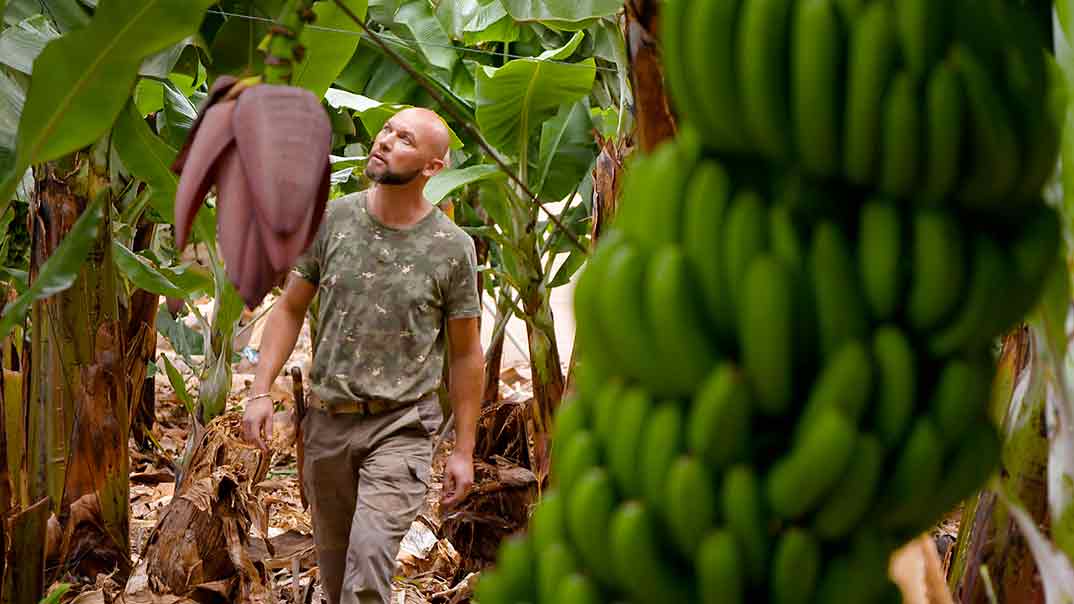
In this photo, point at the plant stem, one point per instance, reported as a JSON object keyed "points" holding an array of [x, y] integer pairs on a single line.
{"points": [[283, 47]]}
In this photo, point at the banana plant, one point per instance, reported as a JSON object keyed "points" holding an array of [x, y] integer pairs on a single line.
{"points": [[80, 159]]}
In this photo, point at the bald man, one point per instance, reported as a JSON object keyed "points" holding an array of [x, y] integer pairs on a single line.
{"points": [[394, 274]]}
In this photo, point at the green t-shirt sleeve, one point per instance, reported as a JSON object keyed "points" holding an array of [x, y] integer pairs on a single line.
{"points": [[463, 299], [309, 263]]}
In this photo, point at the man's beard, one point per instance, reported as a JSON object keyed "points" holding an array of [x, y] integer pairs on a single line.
{"points": [[388, 177]]}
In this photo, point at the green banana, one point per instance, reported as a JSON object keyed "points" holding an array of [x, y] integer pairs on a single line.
{"points": [[922, 27], [686, 351], [786, 242], [707, 198], [744, 511], [720, 576], [632, 344], [745, 236], [901, 144], [896, 384], [661, 443], [939, 260], [916, 476], [798, 482], [651, 210], [795, 568], [1042, 139], [1035, 254], [719, 420], [691, 504], [840, 306], [579, 454], [555, 563], [516, 564], [880, 258], [763, 73], [996, 159], [960, 398], [851, 497], [817, 59], [606, 412], [548, 524], [873, 52], [766, 330], [860, 575], [976, 322], [491, 589], [845, 384], [683, 93], [625, 445], [577, 588], [971, 464], [709, 31], [571, 417], [591, 330], [943, 124], [589, 516], [639, 563]]}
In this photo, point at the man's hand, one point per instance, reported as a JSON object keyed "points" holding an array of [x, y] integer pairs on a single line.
{"points": [[458, 478], [257, 422]]}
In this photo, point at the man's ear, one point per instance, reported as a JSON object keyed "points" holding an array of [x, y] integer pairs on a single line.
{"points": [[433, 166]]}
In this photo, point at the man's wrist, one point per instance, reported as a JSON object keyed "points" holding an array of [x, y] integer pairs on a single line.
{"points": [[264, 395]]}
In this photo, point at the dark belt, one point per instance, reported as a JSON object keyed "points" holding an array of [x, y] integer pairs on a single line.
{"points": [[360, 407]]}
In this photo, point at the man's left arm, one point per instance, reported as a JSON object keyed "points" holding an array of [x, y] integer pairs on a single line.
{"points": [[467, 367]]}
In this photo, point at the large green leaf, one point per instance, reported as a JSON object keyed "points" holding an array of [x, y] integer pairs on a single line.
{"points": [[21, 44], [12, 98], [491, 24], [415, 20], [564, 14], [83, 79], [448, 181], [567, 151], [148, 158], [179, 115], [161, 64], [143, 274], [60, 270], [454, 16], [327, 52], [235, 47], [514, 100], [68, 14]]}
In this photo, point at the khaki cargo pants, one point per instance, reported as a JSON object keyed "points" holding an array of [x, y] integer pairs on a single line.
{"points": [[366, 478]]}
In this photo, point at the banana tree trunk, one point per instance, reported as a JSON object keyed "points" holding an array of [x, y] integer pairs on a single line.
{"points": [[548, 378], [652, 110], [988, 537], [78, 386], [142, 327]]}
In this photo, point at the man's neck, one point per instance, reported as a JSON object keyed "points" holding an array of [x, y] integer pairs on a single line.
{"points": [[398, 206]]}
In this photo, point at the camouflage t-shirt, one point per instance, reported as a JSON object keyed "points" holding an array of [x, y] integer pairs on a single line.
{"points": [[385, 297]]}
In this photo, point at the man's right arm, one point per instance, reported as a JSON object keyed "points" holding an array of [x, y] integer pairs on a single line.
{"points": [[281, 332]]}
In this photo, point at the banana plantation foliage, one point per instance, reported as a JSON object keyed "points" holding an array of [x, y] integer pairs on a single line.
{"points": [[823, 312], [118, 116]]}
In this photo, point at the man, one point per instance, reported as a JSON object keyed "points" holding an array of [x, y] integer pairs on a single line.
{"points": [[391, 270]]}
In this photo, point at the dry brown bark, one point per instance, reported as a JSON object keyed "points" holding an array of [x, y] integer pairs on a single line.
{"points": [[652, 111], [200, 549]]}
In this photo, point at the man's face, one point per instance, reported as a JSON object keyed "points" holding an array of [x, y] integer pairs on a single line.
{"points": [[398, 155]]}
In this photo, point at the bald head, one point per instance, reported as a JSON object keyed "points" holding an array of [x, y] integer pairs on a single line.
{"points": [[432, 133], [412, 146]]}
